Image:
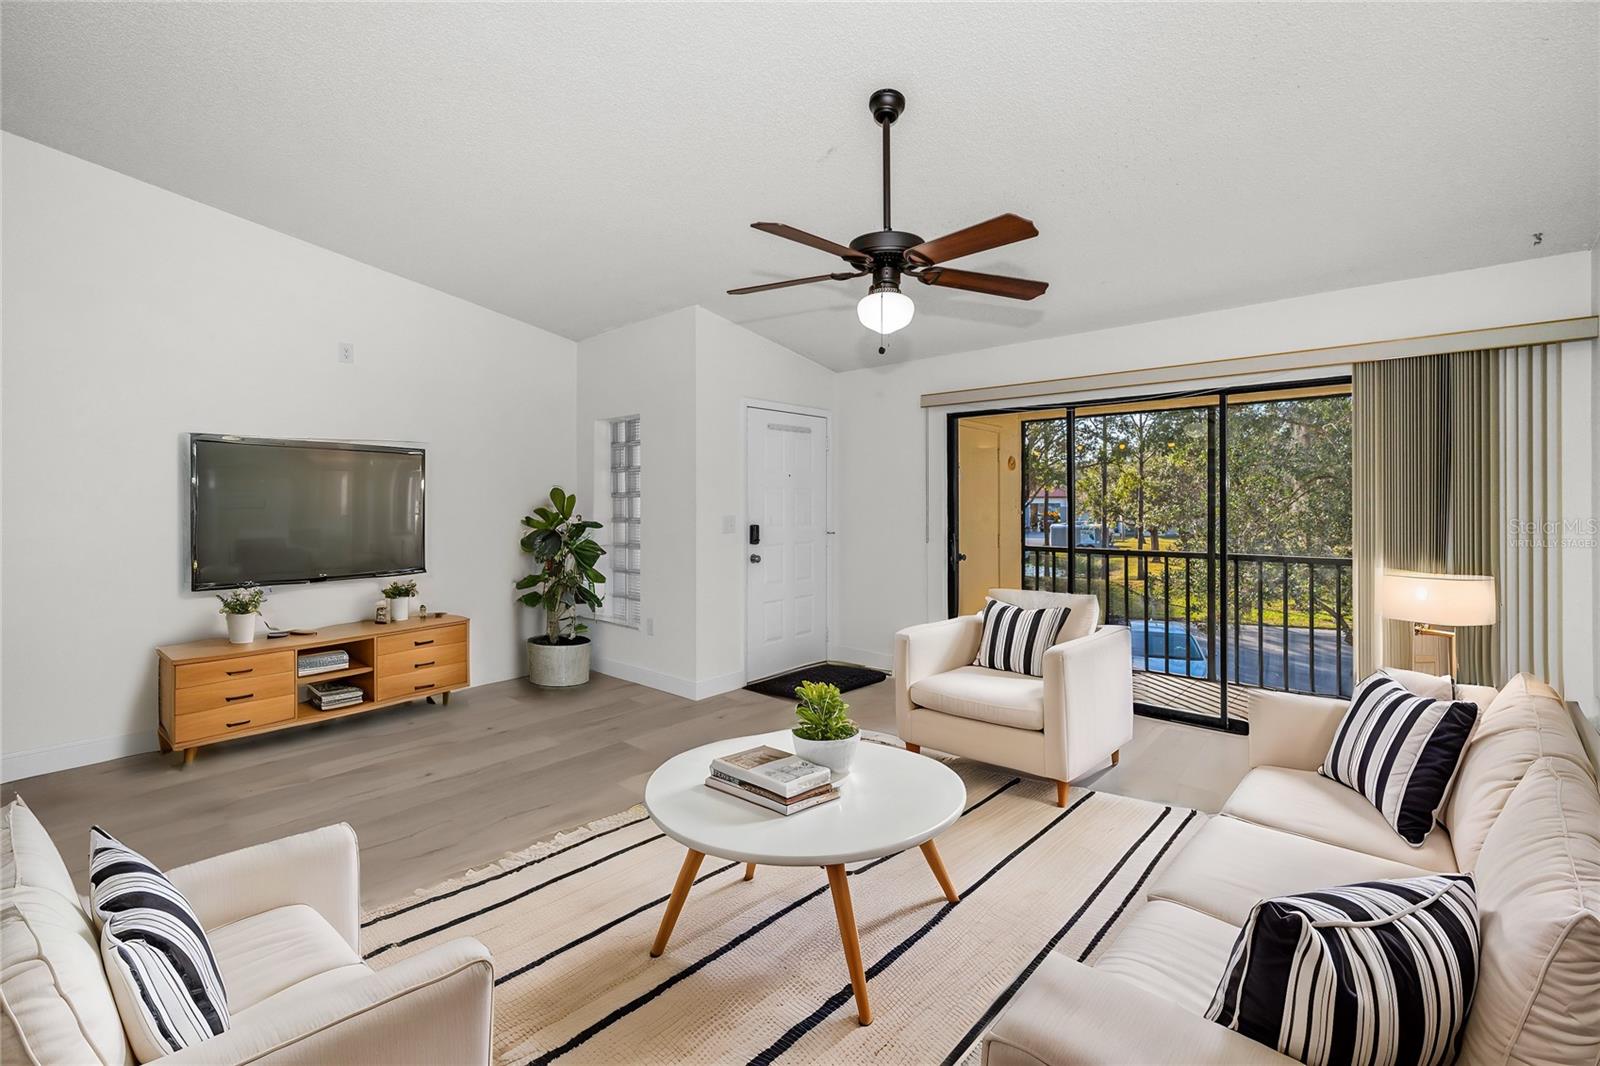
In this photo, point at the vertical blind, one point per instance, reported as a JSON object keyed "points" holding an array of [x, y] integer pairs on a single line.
{"points": [[622, 595]]}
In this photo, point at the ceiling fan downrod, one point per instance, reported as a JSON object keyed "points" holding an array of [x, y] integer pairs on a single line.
{"points": [[886, 105]]}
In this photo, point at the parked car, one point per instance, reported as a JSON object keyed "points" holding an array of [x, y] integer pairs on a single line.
{"points": [[1167, 648]]}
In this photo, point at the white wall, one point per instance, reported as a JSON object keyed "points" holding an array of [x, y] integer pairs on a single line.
{"points": [[133, 316], [891, 459], [647, 369], [687, 374]]}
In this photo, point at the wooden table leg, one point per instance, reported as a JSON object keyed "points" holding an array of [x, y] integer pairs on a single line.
{"points": [[839, 883], [940, 874], [749, 871], [189, 754], [680, 892]]}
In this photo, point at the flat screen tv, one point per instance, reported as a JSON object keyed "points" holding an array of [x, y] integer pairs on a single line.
{"points": [[275, 512]]}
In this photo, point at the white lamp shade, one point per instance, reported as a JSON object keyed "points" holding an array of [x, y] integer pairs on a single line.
{"points": [[885, 312], [1439, 599]]}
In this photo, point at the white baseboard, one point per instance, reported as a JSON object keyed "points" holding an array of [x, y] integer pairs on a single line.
{"points": [[878, 660], [716, 686], [17, 765]]}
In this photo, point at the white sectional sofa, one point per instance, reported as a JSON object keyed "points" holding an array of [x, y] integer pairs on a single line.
{"points": [[1523, 816], [282, 919]]}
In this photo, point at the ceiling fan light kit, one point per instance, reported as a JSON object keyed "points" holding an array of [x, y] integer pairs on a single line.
{"points": [[890, 254]]}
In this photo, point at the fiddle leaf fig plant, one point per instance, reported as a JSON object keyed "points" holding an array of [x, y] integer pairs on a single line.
{"points": [[822, 713], [564, 554]]}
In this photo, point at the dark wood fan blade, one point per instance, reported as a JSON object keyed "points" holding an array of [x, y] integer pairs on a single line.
{"points": [[1000, 230], [778, 229], [992, 284], [793, 281]]}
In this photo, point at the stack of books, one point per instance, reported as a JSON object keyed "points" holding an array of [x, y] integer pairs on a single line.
{"points": [[322, 662], [330, 695], [773, 779]]}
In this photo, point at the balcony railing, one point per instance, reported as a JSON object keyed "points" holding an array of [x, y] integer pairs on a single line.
{"points": [[1285, 619]]}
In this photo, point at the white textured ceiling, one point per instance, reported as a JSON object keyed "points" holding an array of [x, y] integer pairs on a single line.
{"points": [[584, 166]]}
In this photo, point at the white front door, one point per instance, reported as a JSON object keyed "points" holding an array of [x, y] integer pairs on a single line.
{"points": [[786, 503]]}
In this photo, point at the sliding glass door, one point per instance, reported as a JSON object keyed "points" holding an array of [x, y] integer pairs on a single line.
{"points": [[1215, 526]]}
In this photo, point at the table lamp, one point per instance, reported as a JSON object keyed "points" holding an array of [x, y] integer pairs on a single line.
{"points": [[1433, 600]]}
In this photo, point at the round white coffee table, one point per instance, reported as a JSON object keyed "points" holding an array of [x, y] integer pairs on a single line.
{"points": [[890, 801]]}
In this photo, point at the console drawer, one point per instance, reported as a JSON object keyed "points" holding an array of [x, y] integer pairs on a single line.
{"points": [[421, 682], [423, 638], [245, 666], [200, 725], [233, 693], [403, 662]]}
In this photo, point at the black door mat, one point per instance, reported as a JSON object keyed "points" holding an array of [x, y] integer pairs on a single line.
{"points": [[846, 677]]}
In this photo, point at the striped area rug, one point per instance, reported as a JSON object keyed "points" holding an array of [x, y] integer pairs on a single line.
{"points": [[754, 972]]}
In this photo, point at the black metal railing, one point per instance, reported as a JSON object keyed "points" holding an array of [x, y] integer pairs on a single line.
{"points": [[1286, 619]]}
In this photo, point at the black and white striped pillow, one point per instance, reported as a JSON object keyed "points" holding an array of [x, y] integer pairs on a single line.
{"points": [[1400, 750], [1016, 638], [163, 976], [1380, 973]]}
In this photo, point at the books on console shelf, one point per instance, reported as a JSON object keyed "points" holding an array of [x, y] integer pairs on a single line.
{"points": [[771, 801], [329, 695], [321, 662], [778, 772]]}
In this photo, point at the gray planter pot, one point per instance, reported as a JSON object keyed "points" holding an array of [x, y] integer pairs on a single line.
{"points": [[558, 665]]}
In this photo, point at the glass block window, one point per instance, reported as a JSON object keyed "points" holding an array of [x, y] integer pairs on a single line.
{"points": [[622, 590]]}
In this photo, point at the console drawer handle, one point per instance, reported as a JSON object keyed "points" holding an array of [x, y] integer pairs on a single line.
{"points": [[246, 670], [236, 699], [419, 666], [419, 688], [236, 725], [420, 643]]}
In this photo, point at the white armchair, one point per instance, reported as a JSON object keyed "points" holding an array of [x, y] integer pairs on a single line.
{"points": [[282, 919], [1061, 726]]}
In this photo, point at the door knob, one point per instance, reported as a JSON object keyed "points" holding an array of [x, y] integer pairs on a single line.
{"points": [[755, 558], [961, 557]]}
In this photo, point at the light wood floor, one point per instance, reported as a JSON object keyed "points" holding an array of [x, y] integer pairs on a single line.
{"points": [[433, 790]]}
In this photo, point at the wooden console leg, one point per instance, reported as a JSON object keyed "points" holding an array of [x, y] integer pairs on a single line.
{"points": [[189, 754], [940, 874], [839, 883], [914, 749], [680, 892], [1061, 793], [1116, 756], [447, 699], [749, 871]]}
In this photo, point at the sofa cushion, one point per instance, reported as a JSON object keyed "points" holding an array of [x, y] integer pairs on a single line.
{"points": [[1526, 722], [1016, 638], [1309, 805], [1230, 866], [984, 695], [57, 1003], [1538, 878], [1400, 750], [1172, 950], [157, 958], [266, 953], [28, 857], [1083, 620], [1377, 972]]}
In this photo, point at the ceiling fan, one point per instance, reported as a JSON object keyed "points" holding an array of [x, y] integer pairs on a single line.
{"points": [[888, 254]]}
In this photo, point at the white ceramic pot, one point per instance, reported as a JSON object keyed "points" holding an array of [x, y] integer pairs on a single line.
{"points": [[836, 755], [399, 608], [241, 628], [558, 665]]}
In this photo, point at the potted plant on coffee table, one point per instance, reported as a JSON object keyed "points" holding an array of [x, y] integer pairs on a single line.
{"points": [[824, 733], [240, 607], [399, 594], [564, 553]]}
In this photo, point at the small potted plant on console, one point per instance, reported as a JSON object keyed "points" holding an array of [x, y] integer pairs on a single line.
{"points": [[399, 595], [240, 608], [564, 553], [825, 734]]}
